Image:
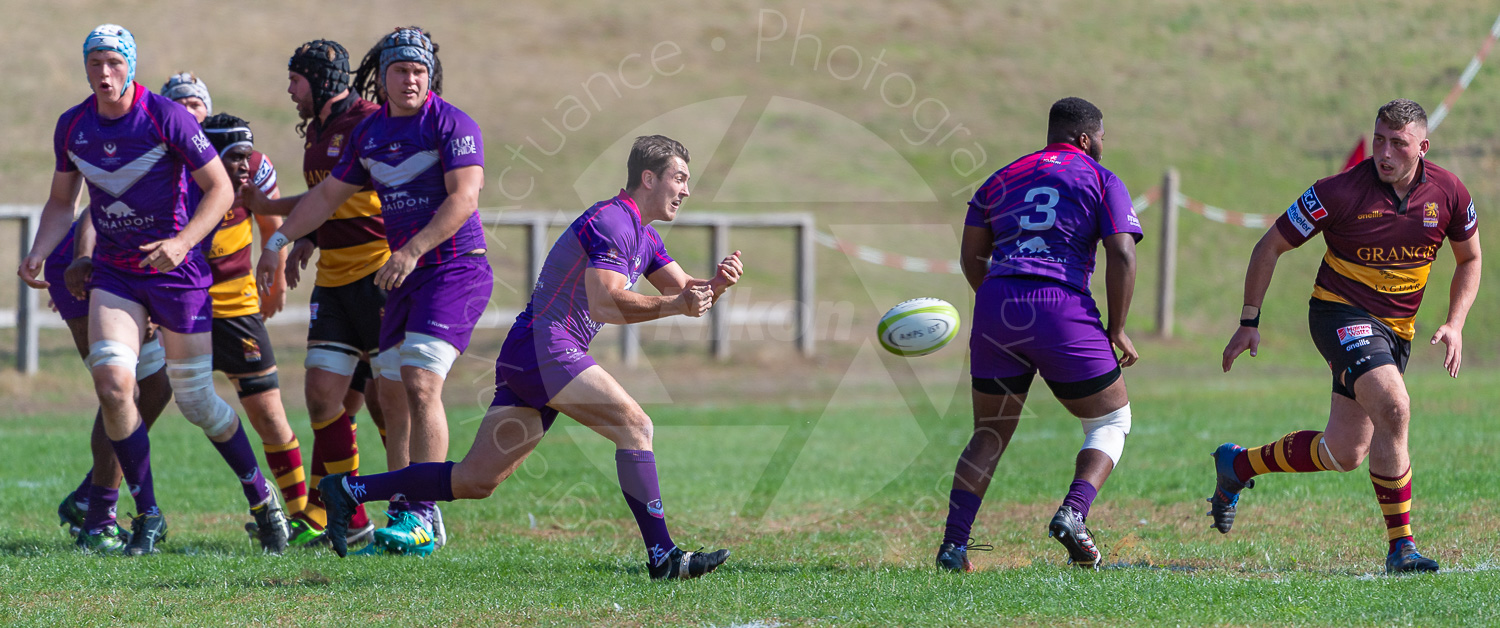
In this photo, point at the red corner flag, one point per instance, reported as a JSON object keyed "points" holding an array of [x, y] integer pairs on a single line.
{"points": [[1355, 156]]}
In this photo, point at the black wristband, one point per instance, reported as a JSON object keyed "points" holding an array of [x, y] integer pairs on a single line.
{"points": [[1251, 322]]}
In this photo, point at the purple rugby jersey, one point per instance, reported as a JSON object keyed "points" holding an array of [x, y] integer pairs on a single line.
{"points": [[608, 236], [399, 154], [1048, 211], [137, 168]]}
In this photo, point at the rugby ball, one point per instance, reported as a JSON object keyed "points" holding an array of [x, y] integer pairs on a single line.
{"points": [[918, 327]]}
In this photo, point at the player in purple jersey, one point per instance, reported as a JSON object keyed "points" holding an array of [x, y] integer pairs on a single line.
{"points": [[425, 159], [544, 368], [1028, 252], [136, 150]]}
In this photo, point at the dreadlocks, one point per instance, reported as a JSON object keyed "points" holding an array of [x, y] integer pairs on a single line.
{"points": [[418, 47]]}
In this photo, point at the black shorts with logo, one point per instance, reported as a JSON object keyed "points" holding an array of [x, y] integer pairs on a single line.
{"points": [[1353, 342], [348, 314], [242, 346]]}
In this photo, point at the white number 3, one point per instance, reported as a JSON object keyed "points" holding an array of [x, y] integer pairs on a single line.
{"points": [[1049, 217]]}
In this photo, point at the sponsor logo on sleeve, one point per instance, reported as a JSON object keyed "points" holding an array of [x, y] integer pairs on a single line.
{"points": [[464, 146], [1473, 217], [1430, 215], [264, 172], [1134, 222], [1313, 206], [1354, 332], [200, 142], [1298, 220]]}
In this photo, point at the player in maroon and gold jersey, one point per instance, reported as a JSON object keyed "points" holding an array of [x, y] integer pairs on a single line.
{"points": [[1383, 221]]}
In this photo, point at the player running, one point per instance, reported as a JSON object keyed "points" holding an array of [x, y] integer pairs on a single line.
{"points": [[425, 159], [135, 150], [544, 368], [346, 303], [1383, 221], [1028, 252]]}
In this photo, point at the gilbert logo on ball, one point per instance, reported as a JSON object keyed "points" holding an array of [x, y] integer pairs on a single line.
{"points": [[918, 327]]}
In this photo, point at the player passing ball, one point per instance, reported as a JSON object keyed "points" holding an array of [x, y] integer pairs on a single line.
{"points": [[1383, 222]]}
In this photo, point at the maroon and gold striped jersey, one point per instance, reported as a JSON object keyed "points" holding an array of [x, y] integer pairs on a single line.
{"points": [[233, 292], [352, 242], [1380, 247]]}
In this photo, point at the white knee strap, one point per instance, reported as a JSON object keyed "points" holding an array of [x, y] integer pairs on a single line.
{"points": [[1323, 442], [110, 353], [387, 364], [1107, 433], [153, 359], [333, 358], [192, 383], [428, 353]]}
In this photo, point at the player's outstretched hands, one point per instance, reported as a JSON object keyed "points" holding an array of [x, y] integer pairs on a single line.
{"points": [[1244, 339], [396, 268], [296, 262], [265, 272], [694, 301], [77, 277], [165, 255], [1128, 354], [1453, 338], [30, 271], [728, 273]]}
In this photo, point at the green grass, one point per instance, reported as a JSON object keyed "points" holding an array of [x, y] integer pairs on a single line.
{"points": [[833, 510]]}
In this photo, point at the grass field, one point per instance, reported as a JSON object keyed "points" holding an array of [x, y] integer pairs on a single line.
{"points": [[833, 509]]}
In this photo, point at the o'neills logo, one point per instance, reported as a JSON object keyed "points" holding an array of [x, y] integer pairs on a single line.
{"points": [[1396, 253]]}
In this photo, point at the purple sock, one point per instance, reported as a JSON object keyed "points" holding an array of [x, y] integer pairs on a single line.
{"points": [[637, 470], [101, 510], [134, 453], [1081, 495], [241, 458], [962, 506], [418, 484], [81, 494]]}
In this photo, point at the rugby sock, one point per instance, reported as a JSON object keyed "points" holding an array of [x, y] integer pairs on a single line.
{"points": [[101, 510], [1296, 452], [637, 471], [241, 459], [962, 507], [1081, 495], [134, 454], [418, 483], [286, 466], [1394, 495], [81, 494], [335, 450]]}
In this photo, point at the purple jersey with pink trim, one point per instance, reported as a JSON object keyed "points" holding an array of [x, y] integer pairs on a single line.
{"points": [[607, 236], [405, 158], [137, 168], [1048, 211]]}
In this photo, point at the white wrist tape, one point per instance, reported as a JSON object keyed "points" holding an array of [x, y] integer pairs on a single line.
{"points": [[276, 242]]}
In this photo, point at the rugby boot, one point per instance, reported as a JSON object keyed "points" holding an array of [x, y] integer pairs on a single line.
{"points": [[1067, 527], [269, 527], [146, 531], [69, 515], [680, 565], [110, 540], [439, 531], [408, 534], [1227, 487], [301, 533], [953, 557], [340, 507], [1405, 559]]}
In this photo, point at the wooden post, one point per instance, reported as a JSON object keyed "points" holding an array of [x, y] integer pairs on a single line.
{"points": [[718, 316], [1166, 287], [806, 278], [26, 320]]}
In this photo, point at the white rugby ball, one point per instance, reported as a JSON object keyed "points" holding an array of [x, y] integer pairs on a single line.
{"points": [[918, 327]]}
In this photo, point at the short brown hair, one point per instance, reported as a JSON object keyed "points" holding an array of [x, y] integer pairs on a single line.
{"points": [[1400, 112], [654, 153]]}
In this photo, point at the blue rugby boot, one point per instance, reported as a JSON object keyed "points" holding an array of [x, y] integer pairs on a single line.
{"points": [[146, 530], [340, 506], [681, 565], [953, 557], [409, 534], [1226, 497], [1405, 559], [1067, 527]]}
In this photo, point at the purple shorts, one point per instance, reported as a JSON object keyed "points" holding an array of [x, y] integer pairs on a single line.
{"points": [[444, 301], [1022, 326], [68, 306], [534, 365], [177, 301]]}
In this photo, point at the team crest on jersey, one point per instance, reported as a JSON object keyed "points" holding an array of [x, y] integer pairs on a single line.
{"points": [[1354, 332], [395, 147], [252, 349], [336, 145], [1430, 215], [110, 149], [1313, 206]]}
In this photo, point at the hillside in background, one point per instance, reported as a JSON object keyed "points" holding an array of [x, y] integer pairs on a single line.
{"points": [[879, 117]]}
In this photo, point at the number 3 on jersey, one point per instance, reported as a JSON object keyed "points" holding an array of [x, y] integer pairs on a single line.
{"points": [[1049, 216]]}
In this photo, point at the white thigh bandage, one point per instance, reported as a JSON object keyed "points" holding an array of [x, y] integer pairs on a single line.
{"points": [[111, 353], [428, 353], [387, 364], [332, 358], [193, 385], [153, 358], [1107, 433]]}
